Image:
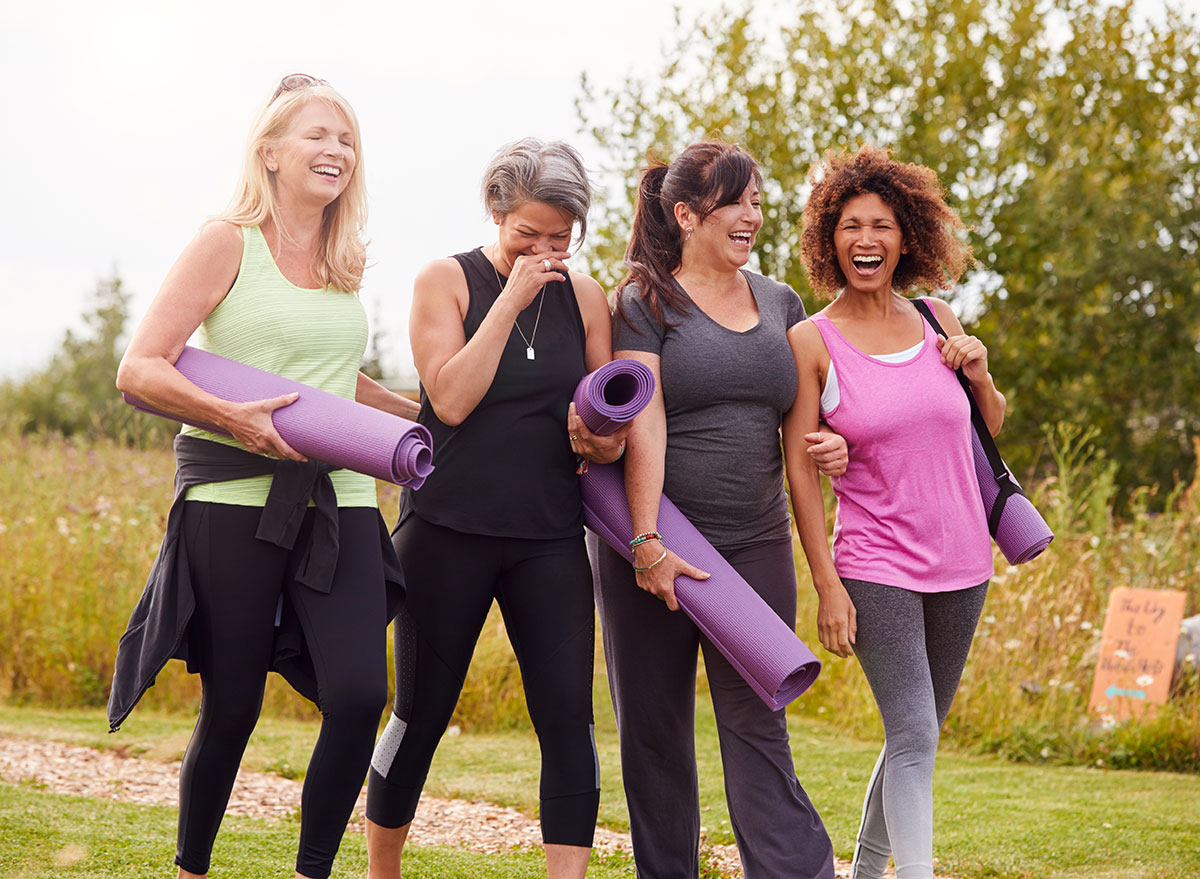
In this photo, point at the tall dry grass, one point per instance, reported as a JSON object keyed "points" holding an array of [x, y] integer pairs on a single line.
{"points": [[80, 523], [1025, 688]]}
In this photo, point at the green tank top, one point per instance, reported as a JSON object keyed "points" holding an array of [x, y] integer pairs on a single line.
{"points": [[312, 336]]}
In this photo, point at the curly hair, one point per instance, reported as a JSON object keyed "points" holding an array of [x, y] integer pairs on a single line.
{"points": [[936, 257]]}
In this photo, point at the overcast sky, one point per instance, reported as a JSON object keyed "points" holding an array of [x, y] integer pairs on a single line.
{"points": [[125, 122]]}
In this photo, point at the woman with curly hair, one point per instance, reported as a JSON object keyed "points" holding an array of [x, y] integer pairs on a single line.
{"points": [[906, 581]]}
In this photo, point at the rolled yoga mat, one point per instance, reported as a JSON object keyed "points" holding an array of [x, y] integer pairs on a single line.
{"points": [[319, 424], [1021, 533], [613, 394], [762, 647]]}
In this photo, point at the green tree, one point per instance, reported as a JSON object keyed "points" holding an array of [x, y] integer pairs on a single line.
{"points": [[75, 395], [1065, 132]]}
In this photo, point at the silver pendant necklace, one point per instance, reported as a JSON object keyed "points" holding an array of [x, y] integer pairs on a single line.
{"points": [[528, 342]]}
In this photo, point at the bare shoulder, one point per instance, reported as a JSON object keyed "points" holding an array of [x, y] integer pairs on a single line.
{"points": [[220, 239], [588, 291], [808, 347], [208, 266], [946, 316], [805, 335], [444, 275]]}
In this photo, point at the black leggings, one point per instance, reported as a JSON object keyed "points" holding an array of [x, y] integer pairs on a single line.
{"points": [[238, 581], [544, 589]]}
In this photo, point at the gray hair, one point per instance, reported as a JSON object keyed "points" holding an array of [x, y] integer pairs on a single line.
{"points": [[533, 170]]}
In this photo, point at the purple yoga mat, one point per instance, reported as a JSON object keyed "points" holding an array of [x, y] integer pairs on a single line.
{"points": [[761, 646], [319, 424], [613, 394], [1022, 534]]}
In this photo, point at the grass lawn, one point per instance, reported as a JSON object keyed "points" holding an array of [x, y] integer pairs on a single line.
{"points": [[993, 819], [44, 835]]}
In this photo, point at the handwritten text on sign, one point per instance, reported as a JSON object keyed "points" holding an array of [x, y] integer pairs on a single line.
{"points": [[1137, 651]]}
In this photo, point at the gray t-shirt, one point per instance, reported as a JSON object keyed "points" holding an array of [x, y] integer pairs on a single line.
{"points": [[725, 395]]}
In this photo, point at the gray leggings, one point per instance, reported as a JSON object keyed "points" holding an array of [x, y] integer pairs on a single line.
{"points": [[912, 647]]}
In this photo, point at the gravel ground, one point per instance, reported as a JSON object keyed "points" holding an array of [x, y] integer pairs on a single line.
{"points": [[478, 826]]}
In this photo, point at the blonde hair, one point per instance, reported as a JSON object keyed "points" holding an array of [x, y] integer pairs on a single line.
{"points": [[341, 252]]}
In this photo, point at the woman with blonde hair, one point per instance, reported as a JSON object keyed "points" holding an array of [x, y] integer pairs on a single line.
{"points": [[273, 283]]}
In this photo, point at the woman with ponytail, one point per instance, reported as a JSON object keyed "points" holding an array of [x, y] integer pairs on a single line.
{"points": [[715, 336]]}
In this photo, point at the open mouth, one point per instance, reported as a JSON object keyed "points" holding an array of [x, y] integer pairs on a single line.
{"points": [[329, 172], [867, 265], [743, 238]]}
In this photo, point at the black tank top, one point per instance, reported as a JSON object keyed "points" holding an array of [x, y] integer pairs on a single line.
{"points": [[507, 470]]}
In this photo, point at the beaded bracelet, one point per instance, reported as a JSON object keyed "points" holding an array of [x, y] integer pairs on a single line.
{"points": [[639, 539], [652, 564]]}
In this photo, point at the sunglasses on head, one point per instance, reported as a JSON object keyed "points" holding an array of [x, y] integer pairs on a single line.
{"points": [[295, 81]]}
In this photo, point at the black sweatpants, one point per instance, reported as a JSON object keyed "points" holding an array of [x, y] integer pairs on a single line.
{"points": [[238, 581], [544, 589]]}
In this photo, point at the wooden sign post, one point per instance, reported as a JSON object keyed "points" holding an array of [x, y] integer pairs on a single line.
{"points": [[1137, 651]]}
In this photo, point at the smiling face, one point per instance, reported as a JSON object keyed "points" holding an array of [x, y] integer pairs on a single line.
{"points": [[315, 160], [868, 243], [726, 236], [530, 228]]}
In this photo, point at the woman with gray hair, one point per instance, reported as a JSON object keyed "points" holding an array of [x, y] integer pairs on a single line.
{"points": [[501, 335]]}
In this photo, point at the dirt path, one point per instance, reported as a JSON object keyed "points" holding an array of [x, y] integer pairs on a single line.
{"points": [[478, 826]]}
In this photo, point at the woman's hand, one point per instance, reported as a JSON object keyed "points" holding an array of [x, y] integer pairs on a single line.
{"points": [[828, 451], [593, 447], [837, 620], [966, 353], [530, 273], [251, 425], [660, 579]]}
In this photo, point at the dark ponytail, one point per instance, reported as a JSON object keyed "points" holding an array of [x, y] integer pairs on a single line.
{"points": [[705, 176]]}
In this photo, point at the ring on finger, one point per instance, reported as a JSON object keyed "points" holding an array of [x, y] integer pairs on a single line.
{"points": [[574, 437], [547, 265]]}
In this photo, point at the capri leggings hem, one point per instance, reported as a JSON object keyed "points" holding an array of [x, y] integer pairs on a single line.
{"points": [[543, 588]]}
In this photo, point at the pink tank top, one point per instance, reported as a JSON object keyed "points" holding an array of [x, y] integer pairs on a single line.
{"points": [[909, 512]]}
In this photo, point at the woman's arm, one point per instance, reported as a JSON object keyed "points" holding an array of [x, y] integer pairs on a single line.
{"points": [[837, 623], [195, 285], [968, 353], [644, 468], [454, 372], [371, 393], [597, 328]]}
